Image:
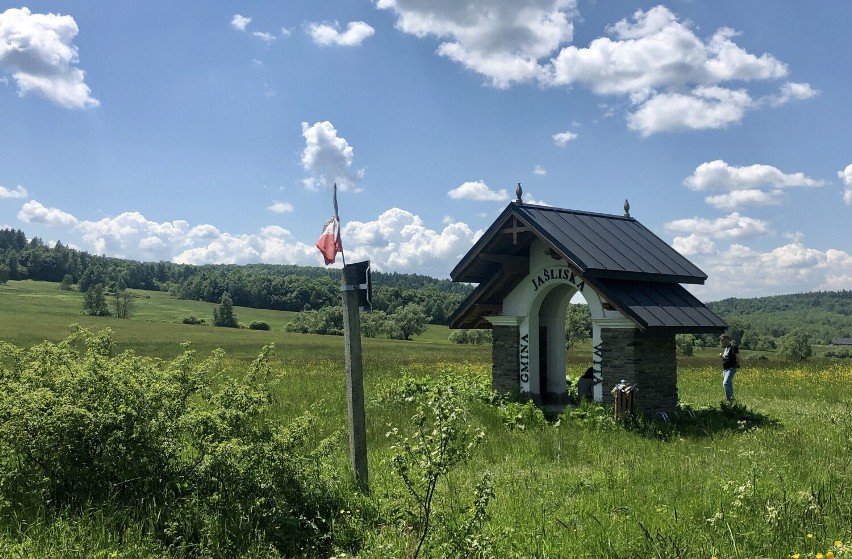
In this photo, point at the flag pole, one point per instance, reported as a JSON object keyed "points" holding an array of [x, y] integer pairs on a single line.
{"points": [[356, 416], [337, 217]]}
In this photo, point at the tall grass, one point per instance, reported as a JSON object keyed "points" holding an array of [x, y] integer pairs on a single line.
{"points": [[768, 477]]}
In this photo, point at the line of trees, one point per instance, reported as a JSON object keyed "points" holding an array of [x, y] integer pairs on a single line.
{"points": [[263, 286]]}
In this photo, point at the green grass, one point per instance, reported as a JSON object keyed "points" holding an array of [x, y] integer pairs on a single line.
{"points": [[749, 481]]}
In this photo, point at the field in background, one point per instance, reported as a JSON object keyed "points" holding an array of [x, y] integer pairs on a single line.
{"points": [[771, 479]]}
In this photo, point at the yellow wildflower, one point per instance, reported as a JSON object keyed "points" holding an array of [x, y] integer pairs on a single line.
{"points": [[810, 536], [829, 555]]}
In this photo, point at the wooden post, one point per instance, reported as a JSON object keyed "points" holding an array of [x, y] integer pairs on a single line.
{"points": [[354, 378]]}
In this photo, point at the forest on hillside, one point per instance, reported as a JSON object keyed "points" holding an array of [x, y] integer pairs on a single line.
{"points": [[263, 286], [755, 323], [823, 315]]}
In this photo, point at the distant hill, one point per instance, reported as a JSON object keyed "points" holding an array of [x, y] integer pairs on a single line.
{"points": [[825, 315]]}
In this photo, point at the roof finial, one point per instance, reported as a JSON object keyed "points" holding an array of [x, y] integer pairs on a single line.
{"points": [[519, 192], [626, 208]]}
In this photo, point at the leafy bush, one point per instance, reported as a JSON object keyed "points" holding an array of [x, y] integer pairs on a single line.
{"points": [[259, 325], [81, 428], [193, 320], [474, 337], [516, 415], [840, 354], [328, 320]]}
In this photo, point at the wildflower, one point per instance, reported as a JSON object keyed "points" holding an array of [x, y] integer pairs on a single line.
{"points": [[794, 556], [819, 556], [829, 554], [810, 536], [838, 543]]}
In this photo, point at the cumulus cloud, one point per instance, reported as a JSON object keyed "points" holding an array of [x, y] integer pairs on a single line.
{"points": [[694, 244], [733, 226], [846, 176], [562, 138], [539, 170], [280, 207], [18, 192], [327, 158], [39, 51], [502, 40], [673, 78], [740, 198], [264, 36], [35, 212], [478, 190], [790, 268], [328, 33], [239, 22], [791, 91], [399, 240], [754, 185], [702, 108]]}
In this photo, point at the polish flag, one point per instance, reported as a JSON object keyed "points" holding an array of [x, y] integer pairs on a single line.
{"points": [[329, 242]]}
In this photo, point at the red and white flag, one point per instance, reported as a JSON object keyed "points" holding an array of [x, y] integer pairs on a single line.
{"points": [[329, 242]]}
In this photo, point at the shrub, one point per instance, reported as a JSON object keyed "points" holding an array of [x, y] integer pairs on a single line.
{"points": [[193, 320], [474, 337], [259, 325], [212, 469]]}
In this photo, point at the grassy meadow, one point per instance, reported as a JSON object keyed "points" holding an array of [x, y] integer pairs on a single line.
{"points": [[768, 478]]}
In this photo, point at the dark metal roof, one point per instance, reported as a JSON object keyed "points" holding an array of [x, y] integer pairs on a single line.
{"points": [[628, 265], [661, 307], [597, 245]]}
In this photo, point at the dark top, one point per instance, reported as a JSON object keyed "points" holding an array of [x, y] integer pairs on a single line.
{"points": [[729, 356]]}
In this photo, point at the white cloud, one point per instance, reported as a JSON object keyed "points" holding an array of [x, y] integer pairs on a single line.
{"points": [[327, 158], [328, 33], [35, 212], [539, 170], [846, 176], [657, 51], [752, 185], [280, 207], [398, 240], [672, 77], [18, 192], [791, 91], [739, 198], [702, 108], [478, 190], [720, 176], [733, 226], [562, 138], [39, 50], [502, 40], [239, 22], [694, 244], [792, 268], [267, 38]]}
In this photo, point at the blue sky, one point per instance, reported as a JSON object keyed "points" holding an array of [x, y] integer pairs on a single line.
{"points": [[204, 132]]}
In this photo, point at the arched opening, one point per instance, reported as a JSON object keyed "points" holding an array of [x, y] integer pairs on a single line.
{"points": [[547, 323]]}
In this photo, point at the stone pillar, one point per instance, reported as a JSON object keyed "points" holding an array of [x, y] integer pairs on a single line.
{"points": [[649, 361], [505, 354], [504, 359]]}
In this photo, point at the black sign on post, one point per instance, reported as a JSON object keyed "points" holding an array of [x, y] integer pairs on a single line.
{"points": [[357, 277]]}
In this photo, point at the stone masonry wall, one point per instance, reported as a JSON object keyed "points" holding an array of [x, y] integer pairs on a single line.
{"points": [[505, 359], [650, 361]]}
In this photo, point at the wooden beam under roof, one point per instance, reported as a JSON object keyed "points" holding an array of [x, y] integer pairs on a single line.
{"points": [[510, 264]]}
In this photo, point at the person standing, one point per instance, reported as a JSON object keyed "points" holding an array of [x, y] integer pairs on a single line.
{"points": [[730, 362]]}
